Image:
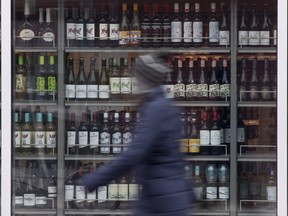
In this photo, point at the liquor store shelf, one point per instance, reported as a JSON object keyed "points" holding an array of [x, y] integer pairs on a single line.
{"points": [[35, 157], [257, 104], [35, 103], [257, 50], [35, 212], [257, 213], [134, 103], [149, 50], [260, 157], [35, 49]]}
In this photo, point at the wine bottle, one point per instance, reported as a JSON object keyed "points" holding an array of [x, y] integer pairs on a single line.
{"points": [[254, 84], [80, 191], [94, 135], [265, 29], [113, 194], [225, 84], [115, 82], [179, 86], [254, 33], [20, 77], [18, 187], [214, 86], [41, 195], [146, 26], [215, 135], [113, 26], [71, 135], [41, 24], [184, 136], [202, 85], [243, 82], [198, 183], [17, 133], [176, 27], [41, 80], [91, 196], [69, 187], [187, 27], [204, 135], [81, 86], [51, 135], [265, 84], [104, 82], [271, 189], [191, 86], [39, 134], [70, 29], [102, 193], [227, 132], [27, 134], [124, 31], [79, 28], [83, 135], [70, 86], [92, 83], [90, 29], [52, 79], [243, 33], [105, 136], [156, 26], [30, 78], [241, 137], [29, 196], [194, 137], [211, 185], [135, 28], [166, 26], [116, 134], [223, 182], [125, 81], [213, 27], [197, 27], [103, 26], [224, 29], [127, 135], [48, 34], [123, 192]]}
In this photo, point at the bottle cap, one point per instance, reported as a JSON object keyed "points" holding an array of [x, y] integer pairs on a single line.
{"points": [[38, 117], [42, 60], [176, 7], [197, 7], [146, 8], [213, 6], [48, 15], [179, 63], [202, 63], [51, 60], [214, 63], [124, 7], [135, 7], [16, 117], [187, 7], [20, 60], [49, 117], [156, 8], [81, 60]]}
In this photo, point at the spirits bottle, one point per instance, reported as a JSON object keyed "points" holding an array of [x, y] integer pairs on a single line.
{"points": [[51, 135], [225, 83], [224, 29], [243, 82], [81, 86], [30, 78], [51, 79], [90, 27], [166, 27], [17, 134], [48, 34], [254, 84], [115, 82], [179, 86], [105, 136], [127, 135], [39, 134], [135, 29], [103, 26], [187, 27], [104, 82], [156, 26], [215, 135], [83, 134], [70, 86], [202, 85], [125, 81], [243, 33], [27, 134], [254, 33], [204, 135], [20, 77], [265, 29], [124, 33], [194, 138], [176, 27], [197, 27], [41, 80], [146, 27], [79, 28], [116, 134], [94, 135], [265, 84], [71, 135], [223, 182], [92, 83], [70, 29], [213, 27], [113, 26], [214, 86]]}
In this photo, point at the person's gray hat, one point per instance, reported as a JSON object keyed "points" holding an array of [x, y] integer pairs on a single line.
{"points": [[150, 71]]}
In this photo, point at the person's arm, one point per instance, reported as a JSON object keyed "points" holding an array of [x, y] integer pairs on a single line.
{"points": [[147, 131]]}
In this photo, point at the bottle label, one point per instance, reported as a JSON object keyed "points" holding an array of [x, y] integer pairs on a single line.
{"points": [[92, 91], [134, 85], [91, 196], [166, 31], [103, 91], [112, 191], [215, 137], [225, 90], [187, 27], [103, 31], [114, 31], [17, 139], [71, 138], [179, 90], [275, 37], [145, 31], [241, 135], [184, 145], [204, 137], [214, 90], [79, 29], [265, 38], [27, 34], [20, 83], [191, 90], [222, 135], [102, 194], [133, 191], [83, 139], [81, 91], [69, 192], [271, 193], [48, 37], [156, 31], [94, 139], [214, 32], [211, 192], [197, 32], [26, 139], [52, 84], [135, 36], [115, 85], [194, 145], [223, 192], [198, 191], [40, 85], [116, 140], [127, 139], [227, 132], [202, 90], [39, 139], [40, 200], [243, 94], [80, 193], [125, 85], [176, 31], [70, 91], [52, 191], [51, 139], [224, 38], [123, 191], [254, 92], [124, 38], [90, 31], [168, 91], [254, 37], [105, 140], [70, 31], [243, 38], [265, 94], [29, 199], [30, 84], [18, 200]]}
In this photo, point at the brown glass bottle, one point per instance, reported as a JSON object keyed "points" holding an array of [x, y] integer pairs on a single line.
{"points": [[156, 26]]}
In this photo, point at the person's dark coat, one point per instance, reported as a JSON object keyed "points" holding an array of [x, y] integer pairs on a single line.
{"points": [[155, 155]]}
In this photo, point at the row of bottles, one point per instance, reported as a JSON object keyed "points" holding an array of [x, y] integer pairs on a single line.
{"points": [[116, 194], [32, 135], [36, 77], [106, 133], [35, 185]]}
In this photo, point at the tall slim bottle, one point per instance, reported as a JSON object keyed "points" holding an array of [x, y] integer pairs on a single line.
{"points": [[83, 135], [92, 83], [17, 133], [103, 26], [224, 28], [69, 187], [254, 83], [243, 33], [70, 29], [204, 135], [187, 27], [146, 26], [48, 34], [254, 33], [81, 85], [135, 28], [80, 28], [20, 77], [80, 192], [179, 86], [215, 135], [70, 85], [104, 82], [194, 137], [198, 183], [168, 87], [265, 29], [39, 134], [265, 84], [213, 27], [271, 189], [214, 85], [102, 193], [116, 134], [94, 135], [223, 182], [115, 82], [105, 136], [125, 81], [52, 79], [41, 195], [113, 26], [166, 26], [90, 28], [29, 196], [156, 26], [41, 24], [18, 185], [225, 83], [202, 85], [127, 135], [176, 27], [27, 134], [124, 32], [41, 80], [243, 81], [51, 135], [197, 27], [30, 77], [91, 196], [211, 184], [71, 135]]}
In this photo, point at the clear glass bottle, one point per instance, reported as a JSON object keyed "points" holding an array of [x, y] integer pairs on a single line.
{"points": [[243, 33], [224, 28], [265, 84], [135, 28], [124, 32], [265, 28], [254, 31], [254, 83]]}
